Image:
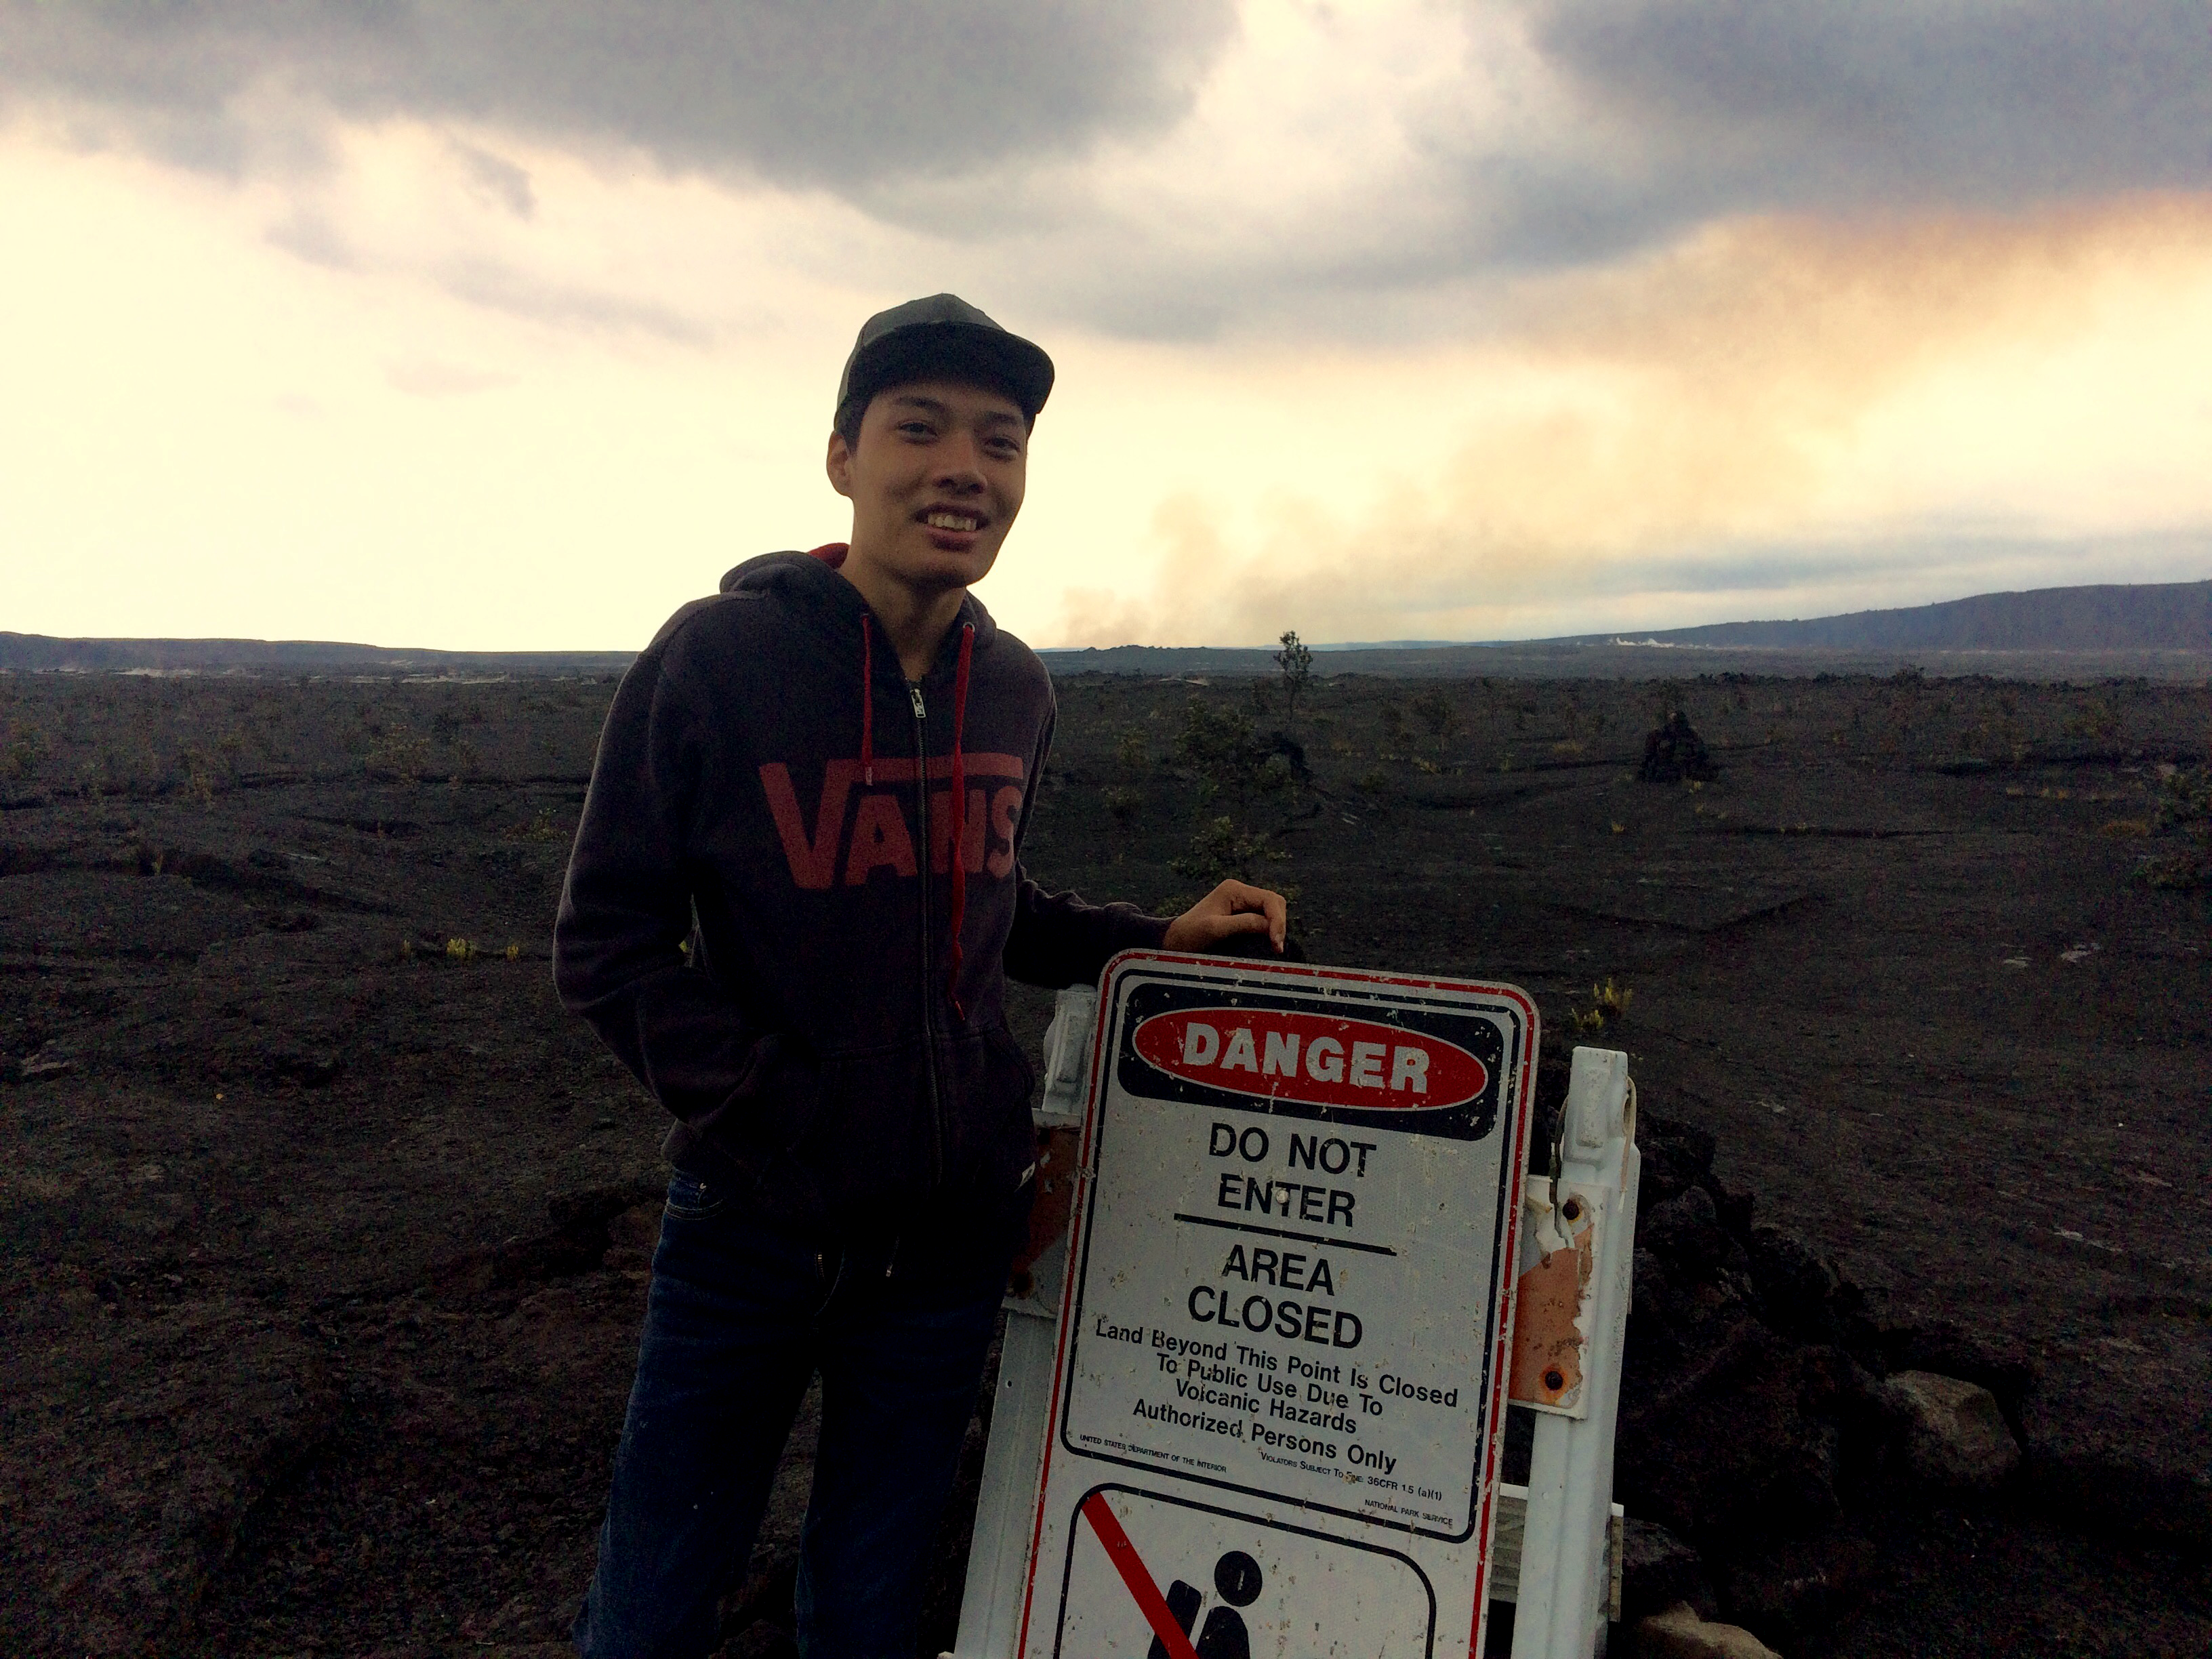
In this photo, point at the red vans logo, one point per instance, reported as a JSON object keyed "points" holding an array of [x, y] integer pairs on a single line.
{"points": [[854, 843], [1317, 1060]]}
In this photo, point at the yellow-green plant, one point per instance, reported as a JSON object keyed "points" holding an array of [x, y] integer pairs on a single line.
{"points": [[1609, 1003], [539, 829], [1221, 852]]}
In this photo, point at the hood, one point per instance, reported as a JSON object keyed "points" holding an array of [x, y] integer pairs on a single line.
{"points": [[809, 582]]}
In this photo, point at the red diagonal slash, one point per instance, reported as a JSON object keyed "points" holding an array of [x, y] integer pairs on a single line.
{"points": [[1123, 1554]]}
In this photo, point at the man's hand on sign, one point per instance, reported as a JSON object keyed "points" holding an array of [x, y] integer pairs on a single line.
{"points": [[1231, 910]]}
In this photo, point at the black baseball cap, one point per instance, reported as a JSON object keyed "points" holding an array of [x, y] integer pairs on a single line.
{"points": [[941, 336]]}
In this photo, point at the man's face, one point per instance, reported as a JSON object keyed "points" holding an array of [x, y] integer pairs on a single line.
{"points": [[935, 481]]}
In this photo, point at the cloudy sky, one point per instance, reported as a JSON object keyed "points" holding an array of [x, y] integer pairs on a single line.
{"points": [[513, 324]]}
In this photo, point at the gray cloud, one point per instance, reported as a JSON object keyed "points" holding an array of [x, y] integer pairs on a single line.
{"points": [[1651, 117], [1678, 112], [1658, 115], [504, 288], [496, 180], [810, 92], [307, 235], [1763, 105]]}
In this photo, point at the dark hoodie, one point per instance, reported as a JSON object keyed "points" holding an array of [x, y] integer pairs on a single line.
{"points": [[764, 916]]}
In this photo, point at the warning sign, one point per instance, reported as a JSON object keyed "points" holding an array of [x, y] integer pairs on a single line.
{"points": [[1282, 1365]]}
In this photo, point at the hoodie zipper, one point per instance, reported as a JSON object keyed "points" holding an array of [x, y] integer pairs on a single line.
{"points": [[928, 1007]]}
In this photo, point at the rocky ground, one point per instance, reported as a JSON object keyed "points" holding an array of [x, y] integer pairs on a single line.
{"points": [[324, 1232]]}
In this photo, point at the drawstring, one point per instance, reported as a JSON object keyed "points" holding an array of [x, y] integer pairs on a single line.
{"points": [[959, 810], [833, 555], [867, 700]]}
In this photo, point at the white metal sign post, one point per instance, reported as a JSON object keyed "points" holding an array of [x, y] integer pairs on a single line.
{"points": [[1283, 1350]]}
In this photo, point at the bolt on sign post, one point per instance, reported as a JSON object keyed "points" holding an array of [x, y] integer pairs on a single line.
{"points": [[1283, 1336]]}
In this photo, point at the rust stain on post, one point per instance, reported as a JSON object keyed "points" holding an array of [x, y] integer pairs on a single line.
{"points": [[1547, 1341]]}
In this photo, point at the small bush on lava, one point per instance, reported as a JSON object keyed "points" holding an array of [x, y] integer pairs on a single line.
{"points": [[539, 829], [21, 751], [2185, 805], [1437, 713], [396, 754], [1224, 753], [1221, 852], [1609, 1005]]}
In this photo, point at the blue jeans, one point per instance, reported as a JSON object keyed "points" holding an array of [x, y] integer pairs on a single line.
{"points": [[740, 1317]]}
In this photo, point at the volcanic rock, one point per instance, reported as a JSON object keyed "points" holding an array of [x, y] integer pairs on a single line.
{"points": [[1675, 753], [1679, 1633], [1677, 1155], [1958, 1437], [632, 1236], [764, 1639], [1724, 1444], [1800, 1290], [1685, 1233], [1789, 1591], [1658, 1570], [2005, 1368], [229, 1403]]}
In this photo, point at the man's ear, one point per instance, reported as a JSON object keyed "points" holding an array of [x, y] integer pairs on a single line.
{"points": [[839, 465]]}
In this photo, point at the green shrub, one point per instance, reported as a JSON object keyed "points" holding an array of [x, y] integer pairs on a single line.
{"points": [[1294, 661], [21, 751], [2184, 807], [1221, 852], [1437, 713]]}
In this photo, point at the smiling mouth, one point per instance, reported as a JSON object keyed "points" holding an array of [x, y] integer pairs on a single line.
{"points": [[966, 524]]}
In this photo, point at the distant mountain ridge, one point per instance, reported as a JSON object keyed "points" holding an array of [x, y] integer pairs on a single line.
{"points": [[2146, 617], [44, 654], [2150, 616]]}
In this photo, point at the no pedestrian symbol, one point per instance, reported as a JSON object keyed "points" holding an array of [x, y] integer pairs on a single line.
{"points": [[1281, 1356], [1238, 1579]]}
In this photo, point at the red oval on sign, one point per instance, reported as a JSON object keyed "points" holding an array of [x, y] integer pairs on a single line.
{"points": [[1317, 1059]]}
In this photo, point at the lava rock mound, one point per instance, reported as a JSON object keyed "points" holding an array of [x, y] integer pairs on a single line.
{"points": [[1767, 1416], [1675, 753]]}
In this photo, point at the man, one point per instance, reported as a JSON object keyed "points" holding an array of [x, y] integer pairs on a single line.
{"points": [[795, 898]]}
